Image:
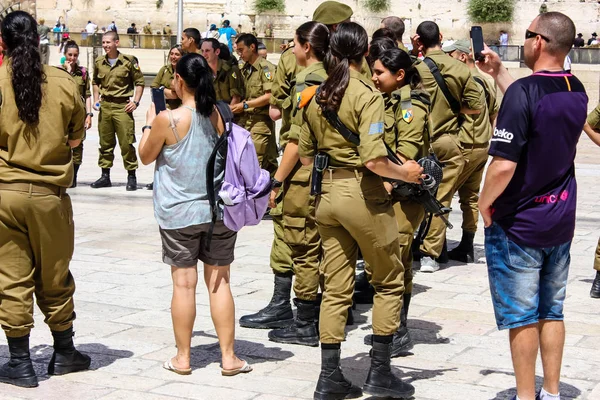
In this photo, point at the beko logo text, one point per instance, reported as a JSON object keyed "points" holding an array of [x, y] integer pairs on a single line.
{"points": [[502, 135]]}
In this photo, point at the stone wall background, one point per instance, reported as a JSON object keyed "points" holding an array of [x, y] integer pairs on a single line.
{"points": [[451, 15]]}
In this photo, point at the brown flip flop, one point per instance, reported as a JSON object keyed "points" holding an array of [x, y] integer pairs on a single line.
{"points": [[168, 365], [233, 372]]}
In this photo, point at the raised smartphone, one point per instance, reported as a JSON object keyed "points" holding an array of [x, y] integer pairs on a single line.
{"points": [[477, 43], [158, 98]]}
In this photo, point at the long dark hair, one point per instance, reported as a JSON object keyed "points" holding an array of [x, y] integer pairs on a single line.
{"points": [[395, 60], [197, 75], [317, 35], [20, 37], [379, 46], [347, 45]]}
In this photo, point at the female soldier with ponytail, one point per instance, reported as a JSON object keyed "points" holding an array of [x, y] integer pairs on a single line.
{"points": [[406, 132], [300, 229], [354, 209], [41, 118], [82, 78]]}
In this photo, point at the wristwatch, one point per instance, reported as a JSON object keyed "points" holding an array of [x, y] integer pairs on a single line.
{"points": [[245, 105], [89, 114], [137, 103], [275, 183]]}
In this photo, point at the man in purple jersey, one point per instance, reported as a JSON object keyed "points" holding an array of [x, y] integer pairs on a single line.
{"points": [[529, 197]]}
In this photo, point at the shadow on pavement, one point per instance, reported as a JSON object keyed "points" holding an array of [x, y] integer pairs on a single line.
{"points": [[255, 353], [101, 355], [566, 391]]}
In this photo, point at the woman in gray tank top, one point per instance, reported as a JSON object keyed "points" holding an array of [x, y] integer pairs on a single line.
{"points": [[180, 141]]}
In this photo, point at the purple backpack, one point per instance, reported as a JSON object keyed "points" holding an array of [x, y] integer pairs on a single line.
{"points": [[246, 187]]}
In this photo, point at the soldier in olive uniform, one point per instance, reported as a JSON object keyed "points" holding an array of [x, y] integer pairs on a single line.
{"points": [[300, 229], [168, 30], [354, 209], [228, 81], [475, 134], [407, 109], [147, 30], [38, 128], [258, 76], [445, 126], [396, 25], [165, 76], [116, 76], [592, 129], [82, 78], [278, 312]]}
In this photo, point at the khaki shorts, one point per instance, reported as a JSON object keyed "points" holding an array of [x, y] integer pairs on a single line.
{"points": [[184, 247]]}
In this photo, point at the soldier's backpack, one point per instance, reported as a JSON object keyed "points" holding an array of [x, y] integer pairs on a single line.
{"points": [[244, 194]]}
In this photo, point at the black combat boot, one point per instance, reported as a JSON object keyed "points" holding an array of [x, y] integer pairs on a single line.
{"points": [[19, 370], [595, 292], [104, 180], [66, 358], [278, 313], [381, 382], [401, 343], [332, 384], [443, 257], [131, 181], [363, 291], [304, 329], [464, 252], [150, 186], [76, 169]]}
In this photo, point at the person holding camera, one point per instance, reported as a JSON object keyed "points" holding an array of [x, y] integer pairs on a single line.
{"points": [[354, 210]]}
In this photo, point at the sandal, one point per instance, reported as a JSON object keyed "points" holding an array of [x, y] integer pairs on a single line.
{"points": [[168, 365], [233, 372]]}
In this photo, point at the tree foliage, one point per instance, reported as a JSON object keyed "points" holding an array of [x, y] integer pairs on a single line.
{"points": [[269, 5], [491, 10], [377, 5]]}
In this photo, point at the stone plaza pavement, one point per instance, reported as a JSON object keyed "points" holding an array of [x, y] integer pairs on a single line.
{"points": [[123, 317]]}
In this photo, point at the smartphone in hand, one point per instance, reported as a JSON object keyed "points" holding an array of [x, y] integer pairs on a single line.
{"points": [[158, 98], [477, 43]]}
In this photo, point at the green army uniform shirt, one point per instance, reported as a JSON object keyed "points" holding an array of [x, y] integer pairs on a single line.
{"points": [[407, 122], [258, 79], [362, 111], [165, 78], [593, 119], [120, 79], [281, 90], [228, 81], [81, 77], [313, 75], [402, 47], [147, 30], [44, 157], [168, 30], [460, 84], [477, 128]]}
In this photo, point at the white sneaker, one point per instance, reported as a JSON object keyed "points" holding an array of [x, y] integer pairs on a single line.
{"points": [[429, 264]]}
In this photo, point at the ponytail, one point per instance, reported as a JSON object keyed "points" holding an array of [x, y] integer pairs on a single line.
{"points": [[348, 45], [19, 34], [196, 74]]}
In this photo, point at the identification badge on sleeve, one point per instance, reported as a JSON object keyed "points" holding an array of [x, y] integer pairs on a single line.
{"points": [[376, 128]]}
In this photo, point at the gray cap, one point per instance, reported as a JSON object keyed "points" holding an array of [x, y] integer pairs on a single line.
{"points": [[462, 45]]}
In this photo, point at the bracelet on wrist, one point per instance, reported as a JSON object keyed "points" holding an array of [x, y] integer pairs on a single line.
{"points": [[146, 127]]}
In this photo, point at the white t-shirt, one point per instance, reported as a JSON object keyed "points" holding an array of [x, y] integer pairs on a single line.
{"points": [[504, 39], [91, 28], [567, 64]]}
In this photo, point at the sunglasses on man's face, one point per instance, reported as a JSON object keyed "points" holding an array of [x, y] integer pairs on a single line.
{"points": [[529, 34]]}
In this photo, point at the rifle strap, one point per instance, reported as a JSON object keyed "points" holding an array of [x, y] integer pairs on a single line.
{"points": [[435, 71]]}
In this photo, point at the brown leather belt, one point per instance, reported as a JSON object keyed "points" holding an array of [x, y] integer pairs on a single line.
{"points": [[34, 188], [474, 145], [346, 173], [118, 100]]}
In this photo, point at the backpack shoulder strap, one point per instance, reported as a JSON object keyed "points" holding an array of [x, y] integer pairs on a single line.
{"points": [[435, 71], [225, 112], [481, 83]]}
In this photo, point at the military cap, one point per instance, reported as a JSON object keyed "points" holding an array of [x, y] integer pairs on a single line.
{"points": [[462, 45], [332, 12]]}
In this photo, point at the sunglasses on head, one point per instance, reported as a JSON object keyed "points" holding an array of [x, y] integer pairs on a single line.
{"points": [[529, 34]]}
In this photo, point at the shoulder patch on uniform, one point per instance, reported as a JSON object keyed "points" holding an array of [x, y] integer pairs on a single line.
{"points": [[234, 75], [306, 96], [267, 72], [376, 128]]}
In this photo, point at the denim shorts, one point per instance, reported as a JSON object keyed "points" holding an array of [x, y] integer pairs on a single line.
{"points": [[527, 284]]}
